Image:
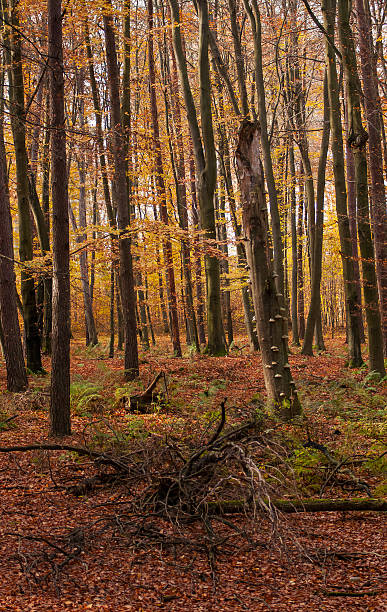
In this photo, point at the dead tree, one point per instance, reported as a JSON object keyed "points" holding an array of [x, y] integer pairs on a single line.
{"points": [[269, 312]]}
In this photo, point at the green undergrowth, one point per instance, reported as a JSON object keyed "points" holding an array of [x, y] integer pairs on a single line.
{"points": [[85, 397]]}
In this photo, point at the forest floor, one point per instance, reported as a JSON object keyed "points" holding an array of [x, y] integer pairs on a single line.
{"points": [[319, 562]]}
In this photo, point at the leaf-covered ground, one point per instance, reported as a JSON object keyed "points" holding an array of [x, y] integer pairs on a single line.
{"points": [[321, 555]]}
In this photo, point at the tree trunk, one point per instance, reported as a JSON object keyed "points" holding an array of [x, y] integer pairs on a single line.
{"points": [[111, 312], [351, 198], [60, 370], [123, 219], [269, 311], [182, 204], [9, 321], [350, 290], [255, 21], [373, 116], [47, 307], [357, 139], [239, 61], [16, 89], [293, 229], [161, 191], [316, 234], [205, 158], [300, 256], [197, 257], [81, 238]]}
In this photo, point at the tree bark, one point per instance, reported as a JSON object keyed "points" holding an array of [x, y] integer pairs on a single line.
{"points": [[11, 340], [16, 88], [122, 199], [350, 289], [305, 505], [160, 184], [60, 369], [316, 234], [293, 229], [205, 159], [373, 116], [357, 139], [269, 311], [91, 330], [255, 21], [182, 203]]}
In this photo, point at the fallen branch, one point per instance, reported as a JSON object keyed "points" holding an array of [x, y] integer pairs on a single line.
{"points": [[66, 447], [80, 450], [364, 504], [142, 401], [350, 593], [9, 419]]}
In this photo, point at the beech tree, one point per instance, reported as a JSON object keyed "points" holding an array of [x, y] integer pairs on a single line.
{"points": [[127, 293], [268, 304], [205, 159]]}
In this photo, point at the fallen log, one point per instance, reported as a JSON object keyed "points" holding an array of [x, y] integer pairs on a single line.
{"points": [[362, 504]]}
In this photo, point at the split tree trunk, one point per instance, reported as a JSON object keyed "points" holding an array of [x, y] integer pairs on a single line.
{"points": [[269, 311]]}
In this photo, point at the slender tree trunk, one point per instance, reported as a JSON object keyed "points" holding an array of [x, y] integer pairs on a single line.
{"points": [[300, 258], [270, 313], [317, 235], [60, 369], [373, 116], [47, 307], [239, 60], [160, 185], [182, 204], [120, 319], [293, 229], [9, 321], [255, 21], [126, 266], [111, 312], [205, 158], [351, 198], [357, 140], [351, 296], [16, 89], [197, 257], [91, 330], [142, 313], [98, 124]]}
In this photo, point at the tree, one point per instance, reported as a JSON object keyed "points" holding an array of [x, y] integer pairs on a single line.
{"points": [[351, 294], [357, 139], [12, 42], [60, 424], [11, 341], [128, 297], [205, 159], [160, 184], [374, 123], [269, 311]]}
